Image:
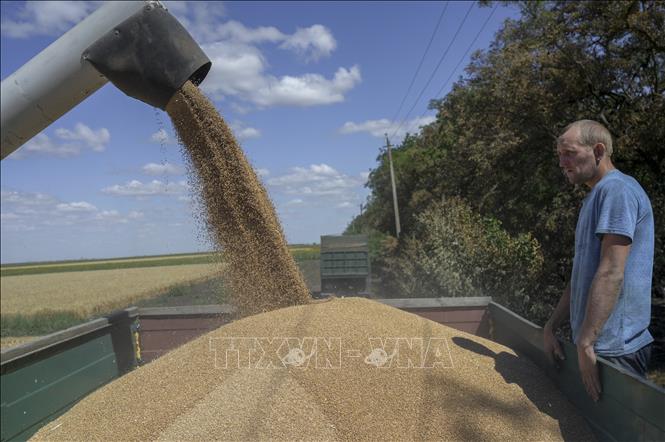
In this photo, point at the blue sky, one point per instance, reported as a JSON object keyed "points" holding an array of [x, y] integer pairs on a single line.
{"points": [[308, 87]]}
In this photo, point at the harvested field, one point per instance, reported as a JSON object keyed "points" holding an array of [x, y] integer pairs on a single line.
{"points": [[468, 389], [105, 261], [128, 263], [91, 291], [205, 291]]}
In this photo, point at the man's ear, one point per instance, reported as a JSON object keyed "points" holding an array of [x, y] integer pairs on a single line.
{"points": [[599, 151]]}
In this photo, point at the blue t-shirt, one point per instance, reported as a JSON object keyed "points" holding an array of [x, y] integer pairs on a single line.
{"points": [[617, 204]]}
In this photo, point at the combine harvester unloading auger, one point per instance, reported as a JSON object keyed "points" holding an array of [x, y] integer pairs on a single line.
{"points": [[136, 45]]}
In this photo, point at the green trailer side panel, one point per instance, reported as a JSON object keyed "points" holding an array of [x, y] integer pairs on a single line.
{"points": [[41, 391], [629, 408]]}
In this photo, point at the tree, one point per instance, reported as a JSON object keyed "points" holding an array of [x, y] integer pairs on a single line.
{"points": [[492, 143]]}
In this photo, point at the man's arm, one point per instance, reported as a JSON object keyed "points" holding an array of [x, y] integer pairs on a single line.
{"points": [[602, 297], [561, 313]]}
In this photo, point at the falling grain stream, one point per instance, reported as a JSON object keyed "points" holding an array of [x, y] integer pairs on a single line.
{"points": [[240, 217]]}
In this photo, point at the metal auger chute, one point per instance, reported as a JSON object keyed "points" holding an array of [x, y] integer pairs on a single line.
{"points": [[136, 45]]}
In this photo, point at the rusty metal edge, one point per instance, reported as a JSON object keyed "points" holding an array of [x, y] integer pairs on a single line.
{"points": [[477, 301], [213, 309]]}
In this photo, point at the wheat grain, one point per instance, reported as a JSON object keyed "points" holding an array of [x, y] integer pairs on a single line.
{"points": [[480, 391]]}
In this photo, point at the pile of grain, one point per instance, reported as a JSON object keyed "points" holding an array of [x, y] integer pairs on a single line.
{"points": [[480, 390], [239, 215]]}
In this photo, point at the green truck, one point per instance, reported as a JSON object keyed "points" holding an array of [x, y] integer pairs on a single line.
{"points": [[345, 264]]}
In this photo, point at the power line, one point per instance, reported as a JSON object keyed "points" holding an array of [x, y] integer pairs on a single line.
{"points": [[436, 28], [482, 28], [435, 70]]}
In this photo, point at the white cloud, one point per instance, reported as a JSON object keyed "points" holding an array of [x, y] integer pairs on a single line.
{"points": [[205, 21], [243, 132], [262, 172], [236, 31], [200, 18], [313, 43], [94, 139], [26, 199], [240, 109], [162, 169], [111, 216], [9, 216], [42, 143], [154, 188], [317, 180], [161, 137], [80, 206], [248, 132], [11, 227], [27, 211], [238, 70], [344, 205], [307, 90], [46, 18], [379, 128], [135, 215], [69, 143]]}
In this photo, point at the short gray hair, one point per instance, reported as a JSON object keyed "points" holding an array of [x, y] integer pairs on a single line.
{"points": [[592, 133]]}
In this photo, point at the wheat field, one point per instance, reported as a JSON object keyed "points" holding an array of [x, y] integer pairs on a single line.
{"points": [[165, 258], [88, 292]]}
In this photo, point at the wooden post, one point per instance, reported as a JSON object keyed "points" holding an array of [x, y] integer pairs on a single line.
{"points": [[398, 229]]}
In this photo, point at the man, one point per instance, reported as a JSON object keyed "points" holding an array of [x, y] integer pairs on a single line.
{"points": [[608, 298]]}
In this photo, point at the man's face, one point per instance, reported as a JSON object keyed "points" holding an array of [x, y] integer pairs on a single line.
{"points": [[576, 161]]}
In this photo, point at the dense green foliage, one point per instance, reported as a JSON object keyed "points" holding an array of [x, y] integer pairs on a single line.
{"points": [[453, 251], [492, 144]]}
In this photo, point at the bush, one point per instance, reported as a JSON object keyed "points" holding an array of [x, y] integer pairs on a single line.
{"points": [[453, 251]]}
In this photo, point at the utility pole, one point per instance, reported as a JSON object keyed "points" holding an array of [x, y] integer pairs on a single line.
{"points": [[392, 180]]}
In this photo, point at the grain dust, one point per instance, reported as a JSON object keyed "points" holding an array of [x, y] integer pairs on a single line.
{"points": [[469, 389], [237, 211]]}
